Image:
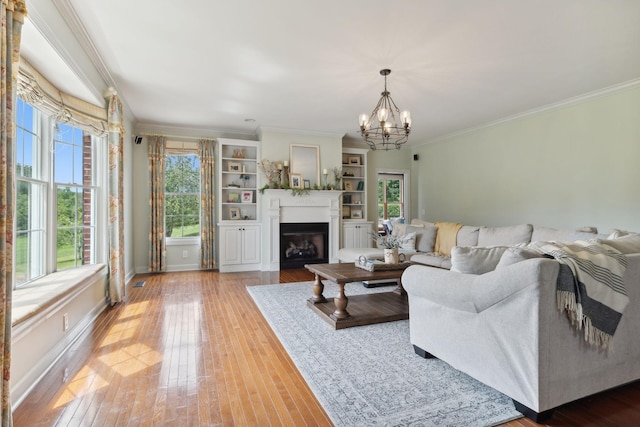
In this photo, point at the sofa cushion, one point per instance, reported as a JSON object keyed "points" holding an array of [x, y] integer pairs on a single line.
{"points": [[425, 237], [617, 233], [503, 236], [431, 260], [515, 255], [548, 234], [416, 221], [467, 236], [408, 241], [475, 260], [629, 244]]}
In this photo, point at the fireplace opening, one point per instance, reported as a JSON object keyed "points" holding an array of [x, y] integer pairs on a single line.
{"points": [[303, 243]]}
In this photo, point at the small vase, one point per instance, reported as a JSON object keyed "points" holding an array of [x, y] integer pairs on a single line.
{"points": [[391, 256]]}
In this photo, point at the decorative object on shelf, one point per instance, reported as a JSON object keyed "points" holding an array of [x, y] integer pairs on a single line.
{"points": [[295, 180], [337, 176], [360, 185], [383, 130], [238, 153], [348, 186], [234, 213], [245, 179], [346, 212], [325, 174], [234, 167], [355, 160], [247, 197], [233, 198], [271, 172], [346, 199], [307, 184], [348, 174], [356, 213]]}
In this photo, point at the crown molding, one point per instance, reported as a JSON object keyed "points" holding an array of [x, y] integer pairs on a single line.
{"points": [[178, 132], [544, 109]]}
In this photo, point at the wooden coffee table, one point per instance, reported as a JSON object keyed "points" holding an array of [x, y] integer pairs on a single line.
{"points": [[363, 309]]}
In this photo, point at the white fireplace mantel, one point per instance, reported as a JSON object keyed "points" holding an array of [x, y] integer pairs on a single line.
{"points": [[281, 206]]}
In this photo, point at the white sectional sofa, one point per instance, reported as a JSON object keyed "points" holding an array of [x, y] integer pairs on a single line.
{"points": [[503, 326]]}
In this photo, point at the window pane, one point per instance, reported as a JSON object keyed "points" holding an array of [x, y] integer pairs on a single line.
{"points": [[182, 196], [393, 190], [29, 259]]}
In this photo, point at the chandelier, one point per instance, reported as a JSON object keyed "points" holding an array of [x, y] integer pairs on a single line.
{"points": [[387, 127]]}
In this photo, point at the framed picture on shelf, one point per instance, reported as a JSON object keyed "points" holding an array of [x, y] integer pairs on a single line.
{"points": [[307, 183], [346, 212], [295, 180], [356, 213], [355, 160], [234, 213], [234, 167], [348, 186], [247, 197], [233, 198]]}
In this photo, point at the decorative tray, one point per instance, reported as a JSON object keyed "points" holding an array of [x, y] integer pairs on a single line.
{"points": [[377, 265]]}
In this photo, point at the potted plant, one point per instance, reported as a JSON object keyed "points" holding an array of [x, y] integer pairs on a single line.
{"points": [[390, 244]]}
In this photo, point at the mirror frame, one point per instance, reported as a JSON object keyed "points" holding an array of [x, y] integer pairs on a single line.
{"points": [[305, 160]]}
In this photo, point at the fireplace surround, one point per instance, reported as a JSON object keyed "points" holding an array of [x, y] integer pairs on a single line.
{"points": [[280, 206]]}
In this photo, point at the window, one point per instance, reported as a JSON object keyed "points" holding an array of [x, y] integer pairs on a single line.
{"points": [[31, 192], [182, 196], [57, 187], [390, 196]]}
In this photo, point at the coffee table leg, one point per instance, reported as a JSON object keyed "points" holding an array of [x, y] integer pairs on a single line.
{"points": [[341, 302], [318, 287]]}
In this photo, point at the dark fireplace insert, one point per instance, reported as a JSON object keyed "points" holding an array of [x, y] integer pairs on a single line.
{"points": [[303, 243]]}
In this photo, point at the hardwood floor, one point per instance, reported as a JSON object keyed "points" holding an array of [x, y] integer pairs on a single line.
{"points": [[192, 349]]}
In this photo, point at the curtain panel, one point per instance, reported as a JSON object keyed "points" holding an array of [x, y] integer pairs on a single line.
{"points": [[207, 205], [116, 287], [157, 242], [12, 17]]}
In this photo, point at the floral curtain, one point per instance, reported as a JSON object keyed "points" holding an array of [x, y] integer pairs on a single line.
{"points": [[207, 205], [116, 191], [12, 14], [157, 244]]}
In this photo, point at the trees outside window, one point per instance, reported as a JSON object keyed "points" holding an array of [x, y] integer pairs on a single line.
{"points": [[182, 196], [390, 196], [56, 195]]}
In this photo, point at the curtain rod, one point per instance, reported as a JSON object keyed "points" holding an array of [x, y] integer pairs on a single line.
{"points": [[175, 136]]}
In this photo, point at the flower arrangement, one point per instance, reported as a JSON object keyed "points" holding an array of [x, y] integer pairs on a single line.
{"points": [[386, 241], [270, 170]]}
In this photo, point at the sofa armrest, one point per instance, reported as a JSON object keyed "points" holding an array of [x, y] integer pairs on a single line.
{"points": [[475, 293]]}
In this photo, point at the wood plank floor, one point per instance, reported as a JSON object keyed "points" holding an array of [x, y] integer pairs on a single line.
{"points": [[192, 349]]}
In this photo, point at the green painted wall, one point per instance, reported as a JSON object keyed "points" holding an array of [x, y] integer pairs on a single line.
{"points": [[568, 166]]}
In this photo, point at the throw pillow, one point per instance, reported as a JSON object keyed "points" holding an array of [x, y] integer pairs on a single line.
{"points": [[399, 229], [446, 237], [515, 255], [511, 235], [474, 260], [408, 242], [627, 245], [617, 233], [425, 237]]}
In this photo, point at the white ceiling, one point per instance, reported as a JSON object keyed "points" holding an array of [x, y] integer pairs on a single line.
{"points": [[314, 65]]}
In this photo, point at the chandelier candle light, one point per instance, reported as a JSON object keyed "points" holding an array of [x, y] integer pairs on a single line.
{"points": [[381, 130]]}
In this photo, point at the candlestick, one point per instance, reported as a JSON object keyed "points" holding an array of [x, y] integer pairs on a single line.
{"points": [[286, 163]]}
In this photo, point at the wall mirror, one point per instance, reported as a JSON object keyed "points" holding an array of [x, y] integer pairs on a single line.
{"points": [[305, 160]]}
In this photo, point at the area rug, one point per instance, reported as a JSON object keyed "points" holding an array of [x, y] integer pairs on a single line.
{"points": [[370, 375]]}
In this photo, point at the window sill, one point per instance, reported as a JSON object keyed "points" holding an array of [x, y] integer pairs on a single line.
{"points": [[39, 295], [183, 241]]}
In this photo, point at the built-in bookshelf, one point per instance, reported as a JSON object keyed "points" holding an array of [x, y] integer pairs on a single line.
{"points": [[238, 180], [354, 180]]}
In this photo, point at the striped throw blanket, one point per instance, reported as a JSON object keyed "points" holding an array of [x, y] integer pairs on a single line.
{"points": [[590, 286]]}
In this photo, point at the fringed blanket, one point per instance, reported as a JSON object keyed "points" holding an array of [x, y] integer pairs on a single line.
{"points": [[590, 286]]}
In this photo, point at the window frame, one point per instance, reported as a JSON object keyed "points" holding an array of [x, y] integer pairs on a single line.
{"points": [[46, 123], [183, 149]]}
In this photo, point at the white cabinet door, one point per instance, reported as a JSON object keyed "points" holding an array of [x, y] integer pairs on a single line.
{"points": [[251, 244], [356, 235], [230, 245]]}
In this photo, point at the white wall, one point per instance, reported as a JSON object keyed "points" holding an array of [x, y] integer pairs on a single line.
{"points": [[386, 160], [569, 166]]}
